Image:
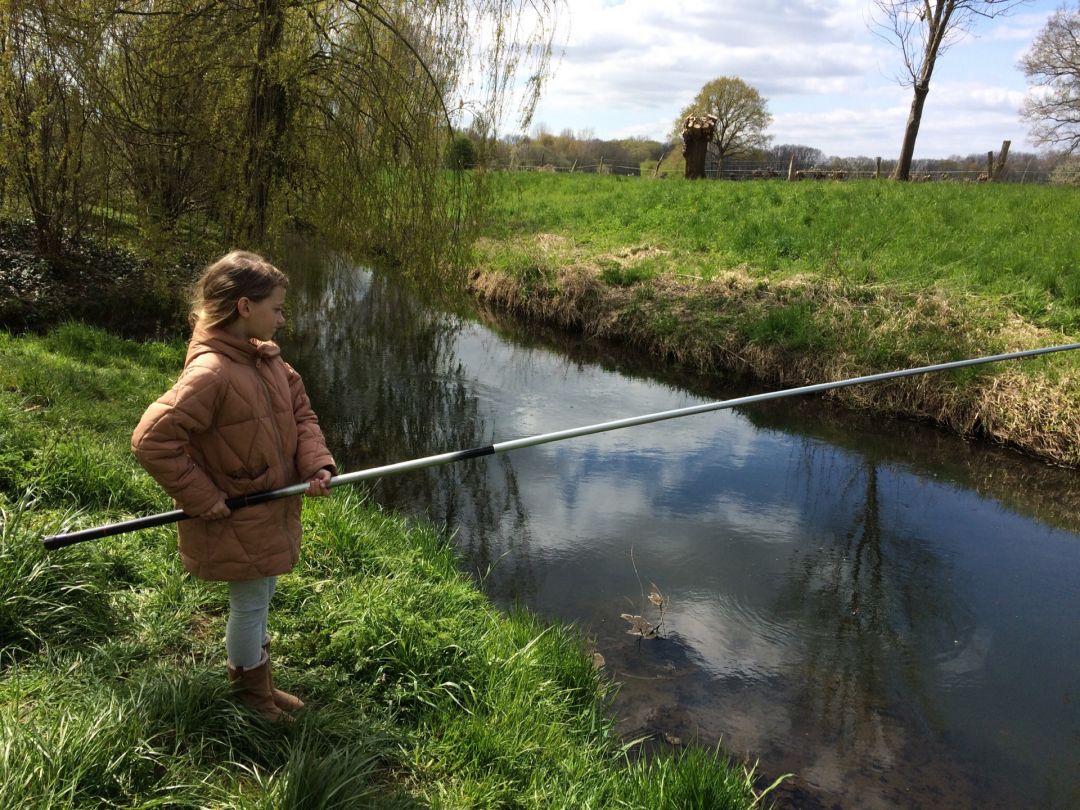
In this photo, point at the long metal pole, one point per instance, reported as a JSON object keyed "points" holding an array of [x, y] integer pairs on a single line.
{"points": [[67, 539]]}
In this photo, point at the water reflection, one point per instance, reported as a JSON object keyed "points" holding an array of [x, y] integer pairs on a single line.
{"points": [[384, 377], [849, 600]]}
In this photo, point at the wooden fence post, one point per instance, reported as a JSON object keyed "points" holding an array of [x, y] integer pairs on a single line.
{"points": [[600, 168], [791, 169], [877, 168], [574, 166], [1000, 171], [656, 171], [990, 165]]}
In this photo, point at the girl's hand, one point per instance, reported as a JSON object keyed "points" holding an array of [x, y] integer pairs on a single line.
{"points": [[319, 484], [218, 511]]}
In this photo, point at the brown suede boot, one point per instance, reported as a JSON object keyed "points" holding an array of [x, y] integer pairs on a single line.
{"points": [[283, 700], [251, 686]]}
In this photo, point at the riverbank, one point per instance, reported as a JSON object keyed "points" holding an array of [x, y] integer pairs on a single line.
{"points": [[799, 283], [112, 688]]}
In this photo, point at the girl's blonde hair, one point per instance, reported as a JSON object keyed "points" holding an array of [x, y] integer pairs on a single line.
{"points": [[235, 275]]}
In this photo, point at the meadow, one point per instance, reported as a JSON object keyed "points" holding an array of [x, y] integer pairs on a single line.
{"points": [[421, 694], [796, 283], [1014, 243]]}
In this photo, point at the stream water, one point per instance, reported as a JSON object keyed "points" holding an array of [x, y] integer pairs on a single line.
{"points": [[889, 612]]}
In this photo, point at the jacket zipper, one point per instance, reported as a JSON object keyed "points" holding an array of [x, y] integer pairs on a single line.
{"points": [[277, 433]]}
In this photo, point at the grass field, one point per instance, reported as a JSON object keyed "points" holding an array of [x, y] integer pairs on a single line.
{"points": [[421, 694], [797, 283], [1017, 244]]}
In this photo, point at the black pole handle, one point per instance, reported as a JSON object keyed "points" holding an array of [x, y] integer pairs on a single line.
{"points": [[69, 539]]}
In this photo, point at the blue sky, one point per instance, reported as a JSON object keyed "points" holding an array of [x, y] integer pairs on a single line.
{"points": [[627, 68]]}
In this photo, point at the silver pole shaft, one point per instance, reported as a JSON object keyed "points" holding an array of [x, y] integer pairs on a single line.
{"points": [[67, 539]]}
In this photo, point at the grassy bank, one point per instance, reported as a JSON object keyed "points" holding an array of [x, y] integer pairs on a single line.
{"points": [[112, 689], [796, 283]]}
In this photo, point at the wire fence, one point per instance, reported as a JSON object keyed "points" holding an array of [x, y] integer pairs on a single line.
{"points": [[921, 171]]}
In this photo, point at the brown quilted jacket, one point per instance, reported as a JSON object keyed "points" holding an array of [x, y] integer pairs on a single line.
{"points": [[237, 421]]}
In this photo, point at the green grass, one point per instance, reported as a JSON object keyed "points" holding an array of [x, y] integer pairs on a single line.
{"points": [[421, 693], [1014, 244]]}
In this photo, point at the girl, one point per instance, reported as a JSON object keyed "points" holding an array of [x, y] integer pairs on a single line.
{"points": [[238, 421]]}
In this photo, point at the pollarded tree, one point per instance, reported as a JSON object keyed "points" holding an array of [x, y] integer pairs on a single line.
{"points": [[1053, 66], [742, 116], [924, 30]]}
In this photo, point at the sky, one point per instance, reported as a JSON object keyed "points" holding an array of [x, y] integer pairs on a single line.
{"points": [[626, 68]]}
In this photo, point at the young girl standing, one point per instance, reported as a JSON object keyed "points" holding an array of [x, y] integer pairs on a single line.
{"points": [[238, 421]]}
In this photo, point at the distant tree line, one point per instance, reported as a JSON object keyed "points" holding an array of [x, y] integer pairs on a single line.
{"points": [[567, 150]]}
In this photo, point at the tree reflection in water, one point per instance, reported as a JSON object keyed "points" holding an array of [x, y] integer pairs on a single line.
{"points": [[869, 602], [383, 377]]}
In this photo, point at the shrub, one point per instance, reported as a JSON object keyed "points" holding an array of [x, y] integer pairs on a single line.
{"points": [[460, 154], [1066, 173]]}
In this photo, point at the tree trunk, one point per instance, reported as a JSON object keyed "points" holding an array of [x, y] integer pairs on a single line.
{"points": [[267, 120], [694, 152], [911, 132], [999, 170], [696, 134]]}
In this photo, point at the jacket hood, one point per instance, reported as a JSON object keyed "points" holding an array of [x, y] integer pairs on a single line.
{"points": [[206, 340]]}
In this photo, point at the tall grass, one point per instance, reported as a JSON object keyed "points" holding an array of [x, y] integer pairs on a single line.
{"points": [[112, 683], [1014, 243], [61, 438], [47, 599]]}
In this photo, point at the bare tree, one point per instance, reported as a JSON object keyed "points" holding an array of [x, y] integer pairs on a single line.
{"points": [[1053, 66], [924, 30]]}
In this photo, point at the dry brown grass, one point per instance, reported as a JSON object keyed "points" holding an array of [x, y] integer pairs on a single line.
{"points": [[709, 325]]}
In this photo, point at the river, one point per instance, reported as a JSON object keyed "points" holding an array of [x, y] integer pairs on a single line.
{"points": [[887, 611]]}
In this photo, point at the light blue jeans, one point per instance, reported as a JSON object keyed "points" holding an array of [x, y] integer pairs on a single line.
{"points": [[245, 631]]}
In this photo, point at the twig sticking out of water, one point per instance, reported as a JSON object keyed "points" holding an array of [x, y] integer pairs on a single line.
{"points": [[639, 625]]}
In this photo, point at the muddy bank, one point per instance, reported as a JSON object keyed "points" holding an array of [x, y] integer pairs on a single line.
{"points": [[806, 330]]}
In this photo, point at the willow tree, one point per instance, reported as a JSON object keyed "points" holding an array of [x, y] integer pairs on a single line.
{"points": [[400, 77], [923, 30], [333, 113], [168, 92], [350, 105]]}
